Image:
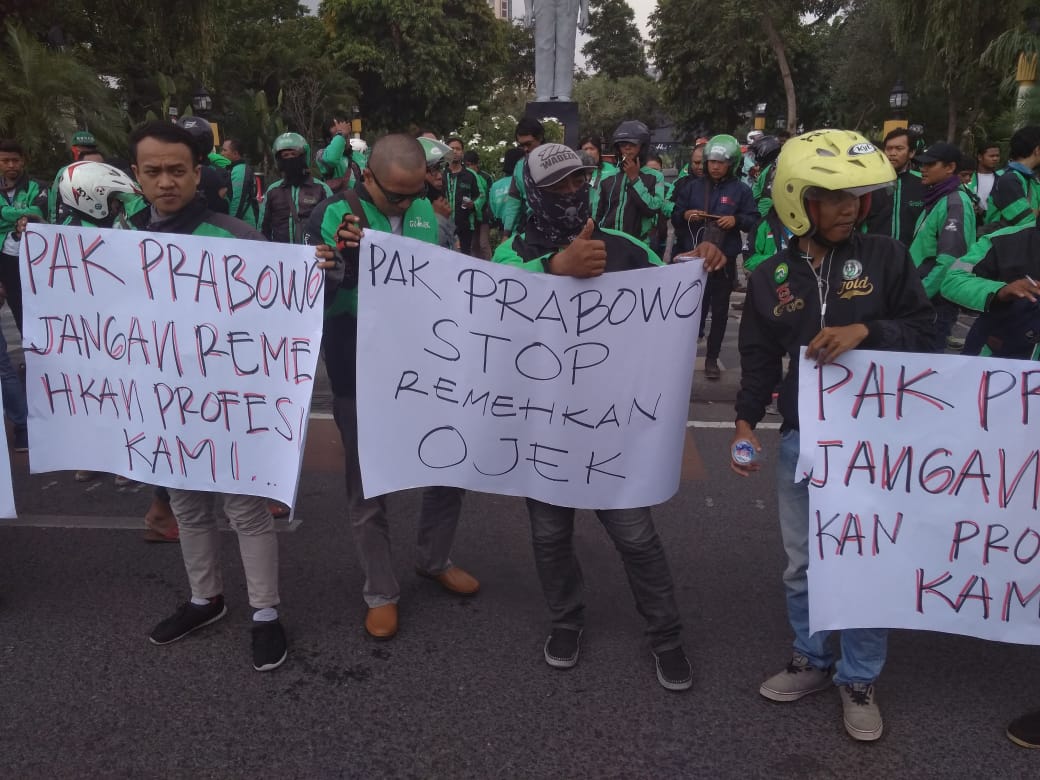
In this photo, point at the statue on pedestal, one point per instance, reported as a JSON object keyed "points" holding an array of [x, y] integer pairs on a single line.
{"points": [[556, 23]]}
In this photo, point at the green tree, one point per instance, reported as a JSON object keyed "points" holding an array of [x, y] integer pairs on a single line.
{"points": [[615, 47], [48, 94], [603, 103], [417, 62]]}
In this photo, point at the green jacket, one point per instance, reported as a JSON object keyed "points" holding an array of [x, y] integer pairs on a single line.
{"points": [[339, 337], [763, 189], [514, 212], [944, 232], [420, 222], [766, 243], [334, 160], [1014, 199], [604, 171], [631, 207], [996, 259], [28, 199], [624, 253], [243, 193], [498, 196]]}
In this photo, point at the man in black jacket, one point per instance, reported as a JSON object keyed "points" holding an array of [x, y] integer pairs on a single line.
{"points": [[797, 298]]}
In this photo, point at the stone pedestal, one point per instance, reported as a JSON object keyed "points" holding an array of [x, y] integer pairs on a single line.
{"points": [[565, 111]]}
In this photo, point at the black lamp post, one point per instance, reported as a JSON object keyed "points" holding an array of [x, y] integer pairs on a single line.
{"points": [[898, 101], [202, 101]]}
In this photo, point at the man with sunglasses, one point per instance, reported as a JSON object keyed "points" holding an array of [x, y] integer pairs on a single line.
{"points": [[391, 198]]}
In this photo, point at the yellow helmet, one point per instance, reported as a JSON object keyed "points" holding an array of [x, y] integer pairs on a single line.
{"points": [[828, 160]]}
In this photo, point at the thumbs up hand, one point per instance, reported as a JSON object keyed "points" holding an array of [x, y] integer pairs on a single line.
{"points": [[584, 258]]}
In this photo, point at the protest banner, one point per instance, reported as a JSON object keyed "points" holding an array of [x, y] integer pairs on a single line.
{"points": [[924, 493], [493, 378], [184, 361]]}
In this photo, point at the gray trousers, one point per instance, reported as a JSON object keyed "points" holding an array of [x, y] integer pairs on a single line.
{"points": [[200, 543], [555, 32], [636, 539], [438, 519]]}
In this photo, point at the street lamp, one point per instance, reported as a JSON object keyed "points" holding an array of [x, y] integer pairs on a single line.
{"points": [[201, 101], [355, 121], [760, 116], [898, 101]]}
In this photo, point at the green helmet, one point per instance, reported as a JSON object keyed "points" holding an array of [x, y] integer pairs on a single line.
{"points": [[723, 148], [292, 141], [436, 152], [84, 138]]}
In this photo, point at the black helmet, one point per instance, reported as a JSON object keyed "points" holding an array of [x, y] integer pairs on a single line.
{"points": [[632, 131], [201, 131], [765, 150]]}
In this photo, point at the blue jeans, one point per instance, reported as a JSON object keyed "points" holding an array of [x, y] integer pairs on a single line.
{"points": [[636, 539], [15, 406], [863, 650]]}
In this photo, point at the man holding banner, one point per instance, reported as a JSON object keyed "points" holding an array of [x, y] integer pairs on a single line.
{"points": [[164, 162], [561, 238], [390, 198], [832, 290]]}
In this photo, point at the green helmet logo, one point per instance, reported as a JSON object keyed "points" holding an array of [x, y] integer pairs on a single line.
{"points": [[293, 141]]}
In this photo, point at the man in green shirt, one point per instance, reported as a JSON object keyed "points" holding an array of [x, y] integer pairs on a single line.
{"points": [[243, 183], [389, 199]]}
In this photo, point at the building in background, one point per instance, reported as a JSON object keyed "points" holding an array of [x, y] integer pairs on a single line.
{"points": [[503, 8]]}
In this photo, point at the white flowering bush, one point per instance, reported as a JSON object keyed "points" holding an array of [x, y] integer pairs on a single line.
{"points": [[490, 135]]}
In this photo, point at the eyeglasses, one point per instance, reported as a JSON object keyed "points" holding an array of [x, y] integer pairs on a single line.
{"points": [[396, 197]]}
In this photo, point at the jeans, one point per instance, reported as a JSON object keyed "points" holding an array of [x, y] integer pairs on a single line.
{"points": [[863, 650], [200, 543], [636, 539], [438, 519], [15, 406]]}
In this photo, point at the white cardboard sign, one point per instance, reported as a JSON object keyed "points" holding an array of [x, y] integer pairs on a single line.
{"points": [[183, 361], [493, 378], [924, 493]]}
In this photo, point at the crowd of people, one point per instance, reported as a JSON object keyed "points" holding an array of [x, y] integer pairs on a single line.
{"points": [[788, 219]]}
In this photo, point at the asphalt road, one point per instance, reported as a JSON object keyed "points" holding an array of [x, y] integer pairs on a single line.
{"points": [[463, 690]]}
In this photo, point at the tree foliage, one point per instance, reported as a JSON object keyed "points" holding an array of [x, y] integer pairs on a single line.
{"points": [[603, 103], [418, 62], [48, 94], [615, 47]]}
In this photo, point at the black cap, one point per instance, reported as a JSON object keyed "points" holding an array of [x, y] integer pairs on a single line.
{"points": [[939, 152]]}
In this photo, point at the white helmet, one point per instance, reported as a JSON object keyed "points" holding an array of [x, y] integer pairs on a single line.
{"points": [[85, 187], [754, 135], [358, 145]]}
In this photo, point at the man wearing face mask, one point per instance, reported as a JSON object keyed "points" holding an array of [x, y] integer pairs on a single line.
{"points": [[561, 238], [290, 200]]}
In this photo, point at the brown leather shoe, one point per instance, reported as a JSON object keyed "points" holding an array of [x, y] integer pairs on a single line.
{"points": [[455, 580], [381, 622]]}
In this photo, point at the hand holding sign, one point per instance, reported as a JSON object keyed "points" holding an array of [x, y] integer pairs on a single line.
{"points": [[830, 343], [707, 252], [1020, 288], [584, 258]]}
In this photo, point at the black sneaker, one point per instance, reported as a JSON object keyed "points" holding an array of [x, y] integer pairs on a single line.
{"points": [[562, 648], [1024, 730], [269, 647], [186, 619], [673, 669]]}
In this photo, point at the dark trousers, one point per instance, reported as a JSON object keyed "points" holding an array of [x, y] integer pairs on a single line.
{"points": [[716, 300], [465, 234], [945, 315], [636, 539], [11, 278]]}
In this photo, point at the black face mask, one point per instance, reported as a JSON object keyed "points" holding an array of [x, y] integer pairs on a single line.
{"points": [[294, 169], [558, 217]]}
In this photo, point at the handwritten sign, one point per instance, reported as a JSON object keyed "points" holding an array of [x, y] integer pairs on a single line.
{"points": [[489, 377], [183, 361], [924, 493]]}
